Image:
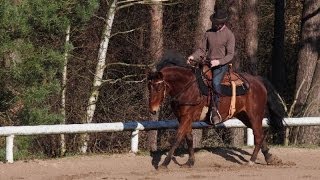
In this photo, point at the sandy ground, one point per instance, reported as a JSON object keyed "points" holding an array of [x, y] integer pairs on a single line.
{"points": [[219, 163]]}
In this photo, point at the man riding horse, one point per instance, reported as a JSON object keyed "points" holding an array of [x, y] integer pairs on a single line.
{"points": [[217, 48]]}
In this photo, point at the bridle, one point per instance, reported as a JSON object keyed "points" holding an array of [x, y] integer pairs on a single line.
{"points": [[188, 85], [165, 85]]}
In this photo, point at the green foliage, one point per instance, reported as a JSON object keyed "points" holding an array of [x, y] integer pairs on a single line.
{"points": [[82, 10], [6, 98], [32, 36], [40, 68], [48, 16], [13, 21], [40, 116]]}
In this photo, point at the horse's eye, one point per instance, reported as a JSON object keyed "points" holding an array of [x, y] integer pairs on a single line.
{"points": [[158, 87]]}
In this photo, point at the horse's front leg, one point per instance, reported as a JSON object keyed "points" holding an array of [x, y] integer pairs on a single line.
{"points": [[191, 160], [184, 125]]}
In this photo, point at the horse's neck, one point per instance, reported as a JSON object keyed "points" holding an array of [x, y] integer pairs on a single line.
{"points": [[178, 79]]}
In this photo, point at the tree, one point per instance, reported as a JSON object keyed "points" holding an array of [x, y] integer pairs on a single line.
{"points": [[235, 23], [63, 92], [156, 51], [100, 67], [278, 75], [308, 69], [251, 36], [206, 8], [101, 62]]}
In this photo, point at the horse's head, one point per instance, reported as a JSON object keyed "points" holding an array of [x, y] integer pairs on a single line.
{"points": [[157, 90]]}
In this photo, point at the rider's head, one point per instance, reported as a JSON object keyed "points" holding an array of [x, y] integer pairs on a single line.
{"points": [[218, 19]]}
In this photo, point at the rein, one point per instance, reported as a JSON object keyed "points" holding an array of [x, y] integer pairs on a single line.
{"points": [[175, 98]]}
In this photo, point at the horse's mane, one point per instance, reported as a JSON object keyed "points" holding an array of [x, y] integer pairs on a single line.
{"points": [[171, 58]]}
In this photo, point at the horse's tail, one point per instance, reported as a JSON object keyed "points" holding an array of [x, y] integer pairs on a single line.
{"points": [[276, 108]]}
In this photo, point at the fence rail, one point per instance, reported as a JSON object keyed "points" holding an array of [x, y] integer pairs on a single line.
{"points": [[134, 126]]}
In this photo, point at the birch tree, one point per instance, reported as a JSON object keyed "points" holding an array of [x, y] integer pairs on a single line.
{"points": [[63, 92], [97, 81], [101, 61]]}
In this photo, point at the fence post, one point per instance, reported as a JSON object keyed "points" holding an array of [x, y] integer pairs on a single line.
{"points": [[134, 141], [9, 148], [250, 137]]}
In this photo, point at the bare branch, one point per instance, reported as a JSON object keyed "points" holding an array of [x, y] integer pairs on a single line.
{"points": [[124, 32], [282, 102], [99, 17], [130, 65], [127, 3], [113, 81], [295, 99]]}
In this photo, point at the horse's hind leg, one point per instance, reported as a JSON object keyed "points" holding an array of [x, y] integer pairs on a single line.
{"points": [[189, 139], [269, 158], [258, 139]]}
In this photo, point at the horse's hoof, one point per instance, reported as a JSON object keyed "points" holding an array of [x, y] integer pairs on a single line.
{"points": [[188, 164], [274, 160], [251, 163], [162, 167]]}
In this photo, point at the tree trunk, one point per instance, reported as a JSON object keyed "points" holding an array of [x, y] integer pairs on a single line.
{"points": [[97, 82], [235, 24], [63, 92], [251, 42], [156, 51], [236, 134], [278, 74], [206, 8], [309, 70]]}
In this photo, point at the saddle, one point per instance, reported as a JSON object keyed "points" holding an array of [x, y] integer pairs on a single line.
{"points": [[230, 78], [233, 84]]}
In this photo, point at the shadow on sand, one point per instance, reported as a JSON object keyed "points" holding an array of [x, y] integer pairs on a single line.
{"points": [[232, 154]]}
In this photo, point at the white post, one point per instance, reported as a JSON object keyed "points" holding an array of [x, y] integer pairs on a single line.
{"points": [[250, 137], [9, 148], [134, 141]]}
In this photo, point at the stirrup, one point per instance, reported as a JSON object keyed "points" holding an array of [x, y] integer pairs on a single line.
{"points": [[215, 118]]}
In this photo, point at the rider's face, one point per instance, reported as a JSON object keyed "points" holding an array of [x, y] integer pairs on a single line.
{"points": [[216, 27]]}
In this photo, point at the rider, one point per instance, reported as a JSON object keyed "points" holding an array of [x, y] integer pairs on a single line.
{"points": [[217, 46]]}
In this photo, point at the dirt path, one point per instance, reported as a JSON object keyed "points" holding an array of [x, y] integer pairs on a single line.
{"points": [[210, 164]]}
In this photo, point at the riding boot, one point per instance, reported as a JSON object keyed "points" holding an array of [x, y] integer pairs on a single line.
{"points": [[215, 117]]}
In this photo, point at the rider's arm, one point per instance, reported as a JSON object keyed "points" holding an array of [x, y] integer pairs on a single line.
{"points": [[229, 49], [201, 50]]}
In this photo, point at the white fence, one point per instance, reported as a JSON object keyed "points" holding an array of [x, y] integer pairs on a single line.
{"points": [[135, 127]]}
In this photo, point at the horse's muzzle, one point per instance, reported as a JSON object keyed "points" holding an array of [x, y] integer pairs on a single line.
{"points": [[153, 112]]}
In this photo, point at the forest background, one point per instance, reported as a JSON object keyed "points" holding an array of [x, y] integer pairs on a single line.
{"points": [[78, 61]]}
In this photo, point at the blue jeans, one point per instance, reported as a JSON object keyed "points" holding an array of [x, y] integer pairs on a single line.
{"points": [[217, 74]]}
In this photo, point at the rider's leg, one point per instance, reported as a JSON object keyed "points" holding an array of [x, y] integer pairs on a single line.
{"points": [[218, 73]]}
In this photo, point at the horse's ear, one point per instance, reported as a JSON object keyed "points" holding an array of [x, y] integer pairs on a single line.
{"points": [[159, 75], [154, 75], [148, 71]]}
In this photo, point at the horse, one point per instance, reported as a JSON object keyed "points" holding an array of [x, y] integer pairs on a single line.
{"points": [[188, 105]]}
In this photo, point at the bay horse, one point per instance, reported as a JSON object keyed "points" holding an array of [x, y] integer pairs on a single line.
{"points": [[179, 82]]}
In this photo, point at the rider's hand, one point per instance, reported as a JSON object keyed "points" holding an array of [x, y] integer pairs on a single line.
{"points": [[190, 58], [214, 63]]}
